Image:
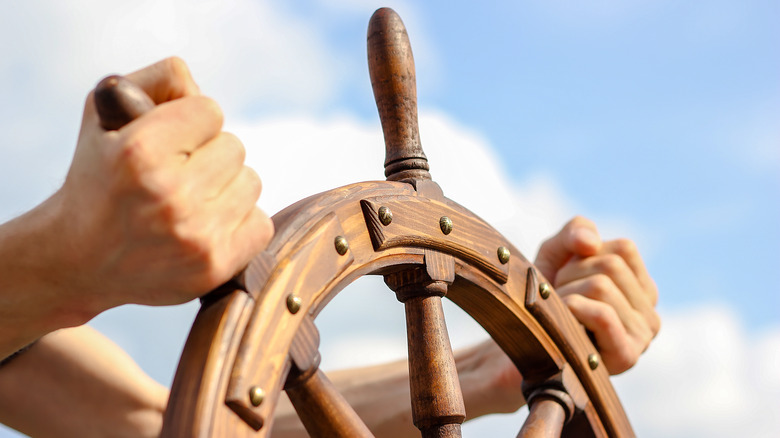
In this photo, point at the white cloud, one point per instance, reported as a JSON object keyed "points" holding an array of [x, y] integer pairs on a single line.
{"points": [[242, 51], [297, 157], [705, 375]]}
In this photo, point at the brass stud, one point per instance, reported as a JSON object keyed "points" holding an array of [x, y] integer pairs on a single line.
{"points": [[593, 361], [256, 395], [503, 255], [341, 245], [445, 224], [385, 215], [544, 290], [293, 303]]}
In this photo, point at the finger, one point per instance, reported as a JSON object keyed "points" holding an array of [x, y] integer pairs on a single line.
{"points": [[578, 237], [251, 236], [166, 80], [615, 268], [601, 288], [213, 166], [237, 229], [172, 130], [626, 249], [237, 199], [619, 351]]}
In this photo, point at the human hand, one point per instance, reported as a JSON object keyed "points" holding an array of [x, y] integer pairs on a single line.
{"points": [[607, 288], [162, 210]]}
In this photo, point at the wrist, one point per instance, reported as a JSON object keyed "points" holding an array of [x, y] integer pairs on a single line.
{"points": [[38, 287], [489, 381]]}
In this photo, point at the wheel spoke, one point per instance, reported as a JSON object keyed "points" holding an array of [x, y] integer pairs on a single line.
{"points": [[322, 409], [437, 402], [545, 420]]}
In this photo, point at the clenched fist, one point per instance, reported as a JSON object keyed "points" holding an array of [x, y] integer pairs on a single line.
{"points": [[159, 212]]}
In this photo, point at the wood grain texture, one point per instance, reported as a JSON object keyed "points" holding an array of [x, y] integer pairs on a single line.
{"points": [[391, 67], [437, 400], [545, 420], [262, 358], [119, 101], [322, 409], [197, 393], [249, 338], [570, 337], [416, 223], [499, 307]]}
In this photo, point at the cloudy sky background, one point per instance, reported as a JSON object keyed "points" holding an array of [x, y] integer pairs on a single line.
{"points": [[657, 119]]}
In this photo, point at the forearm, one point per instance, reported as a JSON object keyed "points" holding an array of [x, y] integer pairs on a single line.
{"points": [[380, 394], [34, 295], [76, 383]]}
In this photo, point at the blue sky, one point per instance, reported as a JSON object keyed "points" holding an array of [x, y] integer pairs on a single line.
{"points": [[658, 119], [664, 114]]}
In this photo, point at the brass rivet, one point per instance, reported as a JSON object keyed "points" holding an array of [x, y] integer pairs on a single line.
{"points": [[445, 224], [503, 254], [293, 303], [256, 395], [593, 361], [385, 215], [341, 245], [544, 290]]}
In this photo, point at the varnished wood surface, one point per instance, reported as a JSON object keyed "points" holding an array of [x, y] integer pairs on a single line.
{"points": [[250, 339], [570, 336], [545, 420], [199, 384], [262, 357], [119, 102], [324, 411], [391, 67], [436, 397]]}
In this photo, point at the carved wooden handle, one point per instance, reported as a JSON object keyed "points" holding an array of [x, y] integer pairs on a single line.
{"points": [[391, 66], [119, 102]]}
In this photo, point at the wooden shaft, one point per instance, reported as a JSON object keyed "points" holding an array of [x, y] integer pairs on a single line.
{"points": [[119, 102], [545, 420], [437, 400], [391, 67], [323, 410]]}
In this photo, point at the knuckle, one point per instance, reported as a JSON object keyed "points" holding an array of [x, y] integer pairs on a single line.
{"points": [[604, 318], [254, 182], [624, 358], [265, 231], [134, 154], [177, 66], [195, 246], [599, 286], [210, 107], [235, 146], [611, 264], [580, 221], [180, 74], [170, 215], [654, 322], [626, 248], [653, 292]]}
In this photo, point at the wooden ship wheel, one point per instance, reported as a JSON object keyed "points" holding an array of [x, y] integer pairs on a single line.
{"points": [[257, 335]]}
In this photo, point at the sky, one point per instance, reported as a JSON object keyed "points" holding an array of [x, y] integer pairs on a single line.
{"points": [[656, 119]]}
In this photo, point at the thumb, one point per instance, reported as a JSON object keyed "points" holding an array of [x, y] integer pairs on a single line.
{"points": [[579, 237], [166, 80]]}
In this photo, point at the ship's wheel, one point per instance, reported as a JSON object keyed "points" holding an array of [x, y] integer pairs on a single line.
{"points": [[257, 335]]}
